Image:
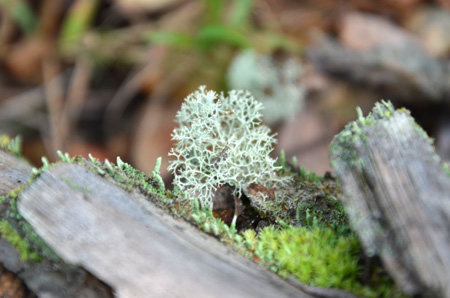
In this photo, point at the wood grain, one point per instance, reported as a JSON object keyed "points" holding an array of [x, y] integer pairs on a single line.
{"points": [[13, 172], [133, 246], [398, 198]]}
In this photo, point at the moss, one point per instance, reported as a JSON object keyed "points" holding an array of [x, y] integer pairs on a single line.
{"points": [[77, 187], [316, 256], [329, 213], [341, 146], [125, 176], [292, 169], [22, 245], [12, 146], [446, 167], [36, 246], [344, 145], [307, 197]]}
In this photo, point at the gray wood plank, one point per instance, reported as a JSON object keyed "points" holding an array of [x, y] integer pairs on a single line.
{"points": [[135, 247]]}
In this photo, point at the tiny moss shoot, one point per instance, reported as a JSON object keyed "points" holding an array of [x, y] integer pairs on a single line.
{"points": [[13, 146]]}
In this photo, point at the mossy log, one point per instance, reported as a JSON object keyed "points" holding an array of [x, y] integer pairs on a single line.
{"points": [[47, 278], [133, 246], [397, 196]]}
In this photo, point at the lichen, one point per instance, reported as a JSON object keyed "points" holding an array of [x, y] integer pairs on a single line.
{"points": [[220, 140], [274, 81]]}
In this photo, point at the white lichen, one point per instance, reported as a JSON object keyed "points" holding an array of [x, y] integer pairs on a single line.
{"points": [[274, 82], [220, 140]]}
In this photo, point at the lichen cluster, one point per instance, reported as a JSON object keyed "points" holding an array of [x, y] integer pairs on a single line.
{"points": [[220, 140], [274, 81]]}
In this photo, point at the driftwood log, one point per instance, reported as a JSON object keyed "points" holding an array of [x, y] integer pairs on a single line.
{"points": [[397, 196], [131, 245]]}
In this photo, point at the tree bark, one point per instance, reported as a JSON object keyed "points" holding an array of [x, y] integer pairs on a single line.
{"points": [[133, 246], [397, 196]]}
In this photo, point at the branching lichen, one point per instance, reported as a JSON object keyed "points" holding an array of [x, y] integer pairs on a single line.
{"points": [[220, 140], [274, 81]]}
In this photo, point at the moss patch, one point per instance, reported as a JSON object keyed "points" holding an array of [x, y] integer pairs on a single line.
{"points": [[22, 245], [316, 256], [32, 245]]}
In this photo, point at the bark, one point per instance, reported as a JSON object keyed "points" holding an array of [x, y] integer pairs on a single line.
{"points": [[397, 196], [133, 246]]}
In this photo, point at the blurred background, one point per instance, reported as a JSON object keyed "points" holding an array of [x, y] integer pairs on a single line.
{"points": [[106, 77]]}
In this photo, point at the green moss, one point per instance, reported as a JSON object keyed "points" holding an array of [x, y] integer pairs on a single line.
{"points": [[314, 256], [446, 167], [343, 147], [328, 213], [13, 146], [22, 245], [317, 256], [300, 173], [125, 176], [307, 197], [36, 248], [77, 187]]}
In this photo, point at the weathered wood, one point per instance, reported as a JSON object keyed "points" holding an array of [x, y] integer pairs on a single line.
{"points": [[13, 172], [135, 247], [47, 278], [397, 197], [405, 72]]}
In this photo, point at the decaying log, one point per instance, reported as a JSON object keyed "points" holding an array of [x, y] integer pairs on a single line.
{"points": [[405, 72], [135, 247], [397, 196], [47, 278]]}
